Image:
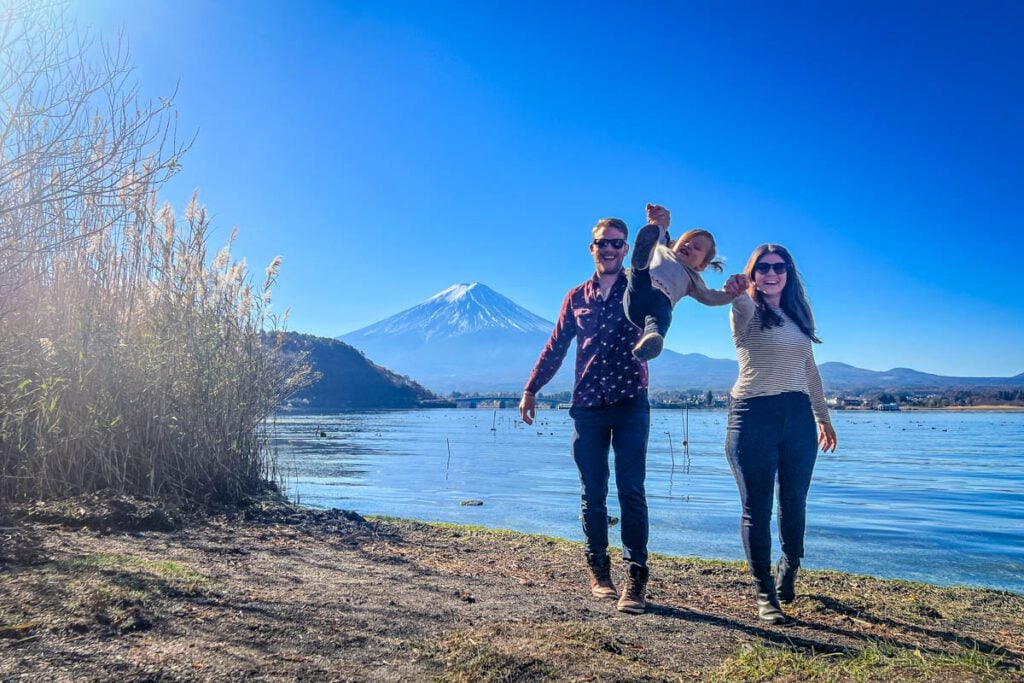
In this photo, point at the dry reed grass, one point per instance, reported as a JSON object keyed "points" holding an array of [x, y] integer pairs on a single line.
{"points": [[129, 361]]}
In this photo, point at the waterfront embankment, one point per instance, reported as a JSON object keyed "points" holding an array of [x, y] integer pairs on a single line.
{"points": [[276, 592]]}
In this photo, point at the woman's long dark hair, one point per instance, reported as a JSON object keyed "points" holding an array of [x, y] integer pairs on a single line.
{"points": [[794, 299]]}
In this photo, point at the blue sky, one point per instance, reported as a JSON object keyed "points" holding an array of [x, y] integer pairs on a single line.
{"points": [[390, 149]]}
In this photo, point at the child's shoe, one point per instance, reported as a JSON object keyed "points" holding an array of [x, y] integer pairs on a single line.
{"points": [[649, 347], [646, 240]]}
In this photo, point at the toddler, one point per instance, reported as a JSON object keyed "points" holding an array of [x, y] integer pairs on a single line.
{"points": [[662, 273]]}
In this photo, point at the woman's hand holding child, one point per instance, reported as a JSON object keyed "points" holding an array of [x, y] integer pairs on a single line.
{"points": [[736, 285]]}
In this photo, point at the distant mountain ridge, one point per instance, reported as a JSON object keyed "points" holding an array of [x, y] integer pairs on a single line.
{"points": [[469, 337], [850, 378]]}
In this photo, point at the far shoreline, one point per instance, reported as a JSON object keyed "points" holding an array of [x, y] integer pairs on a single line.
{"points": [[981, 408]]}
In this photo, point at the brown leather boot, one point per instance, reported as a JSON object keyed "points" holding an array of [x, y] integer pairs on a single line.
{"points": [[634, 593], [600, 572], [649, 347]]}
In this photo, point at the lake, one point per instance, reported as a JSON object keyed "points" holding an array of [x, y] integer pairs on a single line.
{"points": [[927, 496]]}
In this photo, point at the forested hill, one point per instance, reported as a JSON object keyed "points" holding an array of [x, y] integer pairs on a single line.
{"points": [[348, 380]]}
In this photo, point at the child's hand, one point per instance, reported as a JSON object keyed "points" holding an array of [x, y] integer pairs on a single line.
{"points": [[658, 215], [736, 284]]}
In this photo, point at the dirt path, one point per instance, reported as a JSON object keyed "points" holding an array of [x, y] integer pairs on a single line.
{"points": [[284, 594]]}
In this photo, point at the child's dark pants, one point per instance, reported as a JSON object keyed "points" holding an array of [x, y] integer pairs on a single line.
{"points": [[646, 306]]}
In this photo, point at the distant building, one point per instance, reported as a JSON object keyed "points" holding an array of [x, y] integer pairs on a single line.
{"points": [[888, 406], [843, 402]]}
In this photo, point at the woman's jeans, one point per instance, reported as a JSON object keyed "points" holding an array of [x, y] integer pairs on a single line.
{"points": [[646, 306], [625, 427], [772, 439]]}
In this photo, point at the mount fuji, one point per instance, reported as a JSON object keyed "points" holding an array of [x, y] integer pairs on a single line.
{"points": [[458, 311], [465, 338], [471, 338]]}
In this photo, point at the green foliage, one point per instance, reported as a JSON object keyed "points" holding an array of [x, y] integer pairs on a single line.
{"points": [[345, 379]]}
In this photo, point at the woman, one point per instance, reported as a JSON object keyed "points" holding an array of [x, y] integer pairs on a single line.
{"points": [[775, 404]]}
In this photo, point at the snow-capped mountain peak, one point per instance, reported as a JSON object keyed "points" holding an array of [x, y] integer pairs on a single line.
{"points": [[458, 310], [456, 292]]}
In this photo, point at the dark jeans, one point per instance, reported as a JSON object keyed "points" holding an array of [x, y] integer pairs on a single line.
{"points": [[646, 306], [769, 439], [625, 427]]}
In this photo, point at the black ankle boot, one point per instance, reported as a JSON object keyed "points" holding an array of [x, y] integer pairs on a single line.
{"points": [[768, 608], [785, 579]]}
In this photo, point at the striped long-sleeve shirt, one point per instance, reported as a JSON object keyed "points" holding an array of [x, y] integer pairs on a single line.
{"points": [[775, 359]]}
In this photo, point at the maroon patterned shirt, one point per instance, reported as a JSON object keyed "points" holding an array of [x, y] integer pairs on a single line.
{"points": [[606, 371]]}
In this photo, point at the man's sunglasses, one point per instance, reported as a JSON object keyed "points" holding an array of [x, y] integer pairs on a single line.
{"points": [[763, 268], [614, 243]]}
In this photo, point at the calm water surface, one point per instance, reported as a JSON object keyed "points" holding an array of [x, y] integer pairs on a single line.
{"points": [[929, 496]]}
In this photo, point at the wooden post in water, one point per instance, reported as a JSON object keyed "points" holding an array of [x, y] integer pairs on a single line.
{"points": [[686, 427], [448, 464], [672, 472]]}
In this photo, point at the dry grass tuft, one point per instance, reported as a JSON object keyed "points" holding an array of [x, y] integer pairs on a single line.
{"points": [[879, 661]]}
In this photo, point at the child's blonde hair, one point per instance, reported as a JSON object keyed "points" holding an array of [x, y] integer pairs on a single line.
{"points": [[709, 258]]}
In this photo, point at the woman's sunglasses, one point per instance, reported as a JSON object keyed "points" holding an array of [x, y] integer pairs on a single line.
{"points": [[614, 243], [763, 268]]}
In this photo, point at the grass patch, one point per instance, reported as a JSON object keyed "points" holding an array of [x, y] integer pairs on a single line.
{"points": [[174, 573], [114, 590], [114, 605], [599, 640], [876, 662], [886, 601], [469, 660], [476, 529], [542, 651]]}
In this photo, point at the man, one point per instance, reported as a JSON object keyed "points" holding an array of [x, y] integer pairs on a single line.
{"points": [[609, 407]]}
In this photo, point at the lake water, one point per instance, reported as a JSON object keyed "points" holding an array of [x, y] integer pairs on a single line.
{"points": [[928, 496]]}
